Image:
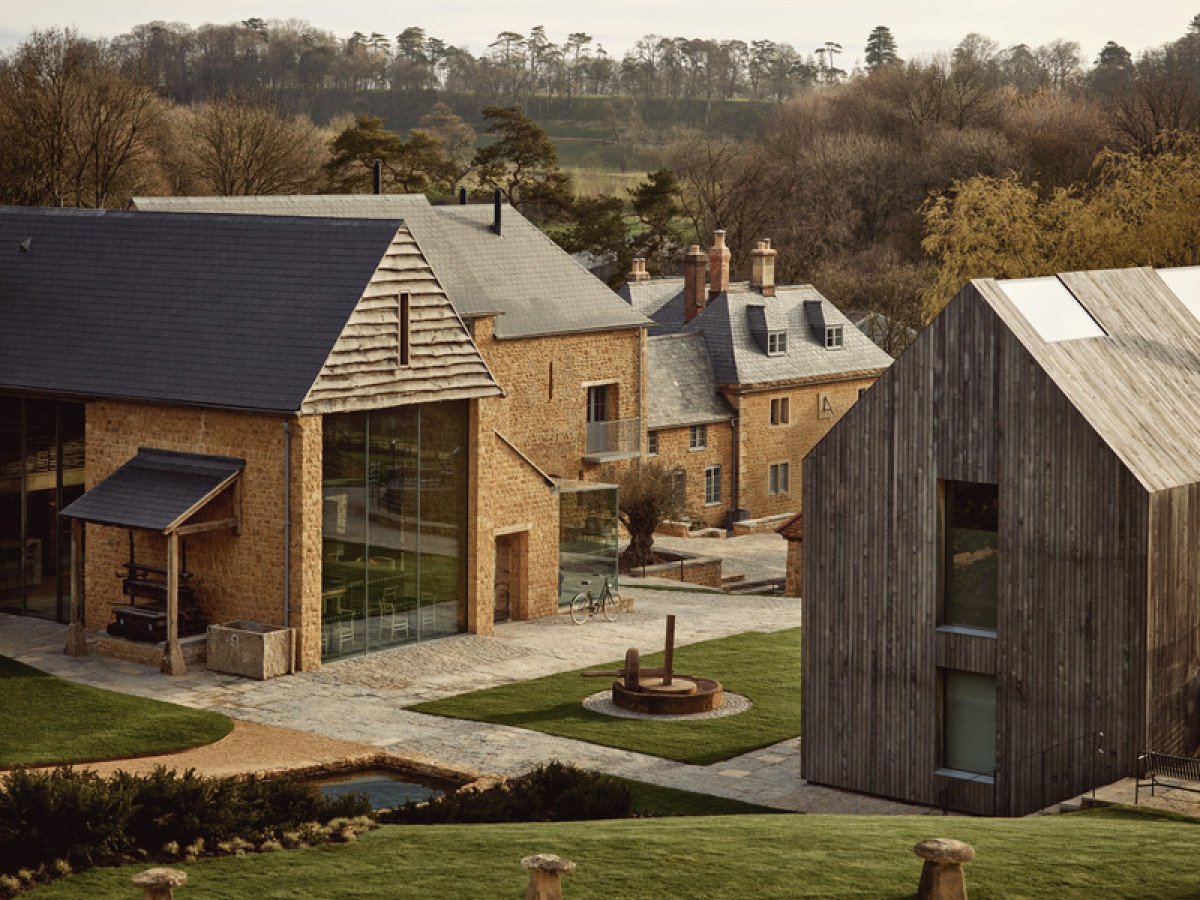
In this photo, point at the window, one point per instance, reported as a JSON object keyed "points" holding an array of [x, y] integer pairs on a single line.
{"points": [[652, 443], [679, 481], [698, 437], [968, 722], [712, 485], [777, 478], [597, 403], [403, 337], [970, 550], [833, 337], [776, 343], [779, 411]]}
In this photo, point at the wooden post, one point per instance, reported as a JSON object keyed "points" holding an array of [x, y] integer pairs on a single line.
{"points": [[76, 636], [669, 652], [172, 662]]}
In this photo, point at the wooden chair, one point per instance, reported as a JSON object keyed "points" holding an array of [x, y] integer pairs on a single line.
{"points": [[393, 621]]}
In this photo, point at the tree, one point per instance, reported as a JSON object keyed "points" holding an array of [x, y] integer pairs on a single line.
{"points": [[456, 136], [412, 166], [648, 496], [244, 148], [657, 202], [881, 48], [1143, 209], [76, 128], [523, 164]]}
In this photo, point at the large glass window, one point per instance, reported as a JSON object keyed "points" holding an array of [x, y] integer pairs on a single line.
{"points": [[587, 542], [395, 489], [969, 722], [712, 485], [970, 581], [41, 471]]}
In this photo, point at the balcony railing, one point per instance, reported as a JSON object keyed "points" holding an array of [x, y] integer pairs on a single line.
{"points": [[614, 439]]}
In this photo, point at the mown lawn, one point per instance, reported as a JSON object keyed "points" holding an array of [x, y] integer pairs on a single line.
{"points": [[1098, 854], [45, 720], [763, 667]]}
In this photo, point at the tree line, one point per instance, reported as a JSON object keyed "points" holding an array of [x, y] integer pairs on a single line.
{"points": [[869, 182]]}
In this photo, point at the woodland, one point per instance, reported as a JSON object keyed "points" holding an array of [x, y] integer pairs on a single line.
{"points": [[885, 181]]}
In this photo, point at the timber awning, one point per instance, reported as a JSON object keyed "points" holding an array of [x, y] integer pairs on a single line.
{"points": [[160, 490]]}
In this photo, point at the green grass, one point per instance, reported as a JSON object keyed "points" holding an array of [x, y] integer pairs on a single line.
{"points": [[1103, 854], [45, 720], [763, 667], [654, 800]]}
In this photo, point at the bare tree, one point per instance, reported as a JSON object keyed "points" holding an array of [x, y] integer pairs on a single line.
{"points": [[245, 148]]}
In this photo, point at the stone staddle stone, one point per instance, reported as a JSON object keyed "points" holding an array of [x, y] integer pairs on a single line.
{"points": [[942, 875], [545, 870], [157, 883]]}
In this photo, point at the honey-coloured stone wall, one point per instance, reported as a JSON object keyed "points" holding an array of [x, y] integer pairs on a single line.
{"points": [[812, 411], [673, 453], [242, 575], [545, 381]]}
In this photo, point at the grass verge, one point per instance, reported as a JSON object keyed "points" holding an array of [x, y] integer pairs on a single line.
{"points": [[1100, 854], [656, 801], [46, 720], [763, 667]]}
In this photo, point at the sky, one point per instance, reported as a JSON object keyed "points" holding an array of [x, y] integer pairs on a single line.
{"points": [[919, 26]]}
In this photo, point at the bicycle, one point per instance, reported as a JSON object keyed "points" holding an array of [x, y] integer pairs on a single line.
{"points": [[585, 604]]}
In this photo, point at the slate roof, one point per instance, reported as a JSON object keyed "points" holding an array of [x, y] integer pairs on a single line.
{"points": [[680, 386], [734, 325], [192, 309], [155, 489], [536, 286], [1138, 383]]}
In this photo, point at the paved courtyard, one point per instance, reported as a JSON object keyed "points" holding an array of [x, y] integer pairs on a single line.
{"points": [[366, 699]]}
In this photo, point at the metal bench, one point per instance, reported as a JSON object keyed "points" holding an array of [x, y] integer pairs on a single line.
{"points": [[1158, 770]]}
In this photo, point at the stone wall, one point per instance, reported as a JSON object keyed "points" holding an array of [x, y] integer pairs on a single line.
{"points": [[812, 411], [241, 576], [673, 453], [510, 496], [546, 379], [702, 570], [795, 568]]}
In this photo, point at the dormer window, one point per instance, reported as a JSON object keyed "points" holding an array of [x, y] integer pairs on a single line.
{"points": [[776, 343], [833, 337]]}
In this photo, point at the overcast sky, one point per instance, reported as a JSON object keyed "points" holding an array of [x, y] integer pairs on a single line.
{"points": [[919, 26]]}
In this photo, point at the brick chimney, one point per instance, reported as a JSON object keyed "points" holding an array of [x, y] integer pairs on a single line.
{"points": [[638, 272], [693, 283], [762, 268], [718, 266]]}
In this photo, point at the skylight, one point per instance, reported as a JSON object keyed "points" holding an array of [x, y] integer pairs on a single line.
{"points": [[1051, 309], [1185, 283]]}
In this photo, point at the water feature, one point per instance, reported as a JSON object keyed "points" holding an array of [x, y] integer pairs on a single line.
{"points": [[386, 790]]}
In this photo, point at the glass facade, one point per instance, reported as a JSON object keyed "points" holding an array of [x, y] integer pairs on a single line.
{"points": [[971, 552], [587, 539], [394, 527], [41, 471]]}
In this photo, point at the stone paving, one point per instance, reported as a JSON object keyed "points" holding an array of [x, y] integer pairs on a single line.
{"points": [[365, 699]]}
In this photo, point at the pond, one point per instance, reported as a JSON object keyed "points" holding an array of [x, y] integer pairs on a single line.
{"points": [[386, 790]]}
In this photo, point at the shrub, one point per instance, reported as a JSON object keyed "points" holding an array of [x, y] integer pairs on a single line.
{"points": [[76, 819], [551, 793]]}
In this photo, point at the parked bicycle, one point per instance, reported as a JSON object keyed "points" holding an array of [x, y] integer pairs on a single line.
{"points": [[586, 604]]}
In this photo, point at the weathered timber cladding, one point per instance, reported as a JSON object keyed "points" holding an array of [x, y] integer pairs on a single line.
{"points": [[968, 402], [364, 369]]}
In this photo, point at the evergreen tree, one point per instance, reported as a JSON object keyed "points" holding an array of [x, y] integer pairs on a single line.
{"points": [[881, 48]]}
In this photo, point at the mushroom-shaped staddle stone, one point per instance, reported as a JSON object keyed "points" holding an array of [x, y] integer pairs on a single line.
{"points": [[548, 862], [157, 883], [942, 874], [545, 870], [945, 850]]}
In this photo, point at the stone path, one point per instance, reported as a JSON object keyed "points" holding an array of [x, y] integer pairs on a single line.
{"points": [[365, 699]]}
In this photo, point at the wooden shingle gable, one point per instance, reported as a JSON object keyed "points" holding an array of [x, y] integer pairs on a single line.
{"points": [[366, 369]]}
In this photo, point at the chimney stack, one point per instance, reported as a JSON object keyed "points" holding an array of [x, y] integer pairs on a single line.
{"points": [[638, 272], [693, 283], [377, 172], [718, 266], [496, 207], [762, 268]]}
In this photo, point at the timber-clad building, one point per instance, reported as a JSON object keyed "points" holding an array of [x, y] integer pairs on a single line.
{"points": [[1001, 546]]}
